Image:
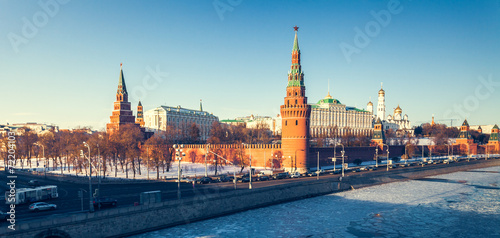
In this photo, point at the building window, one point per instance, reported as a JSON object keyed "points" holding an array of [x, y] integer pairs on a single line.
{"points": [[286, 123], [296, 122]]}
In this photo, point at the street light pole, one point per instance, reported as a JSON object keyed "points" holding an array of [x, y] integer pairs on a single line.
{"points": [[99, 173], [44, 159], [376, 157], [206, 155], [91, 206], [317, 170], [178, 156]]}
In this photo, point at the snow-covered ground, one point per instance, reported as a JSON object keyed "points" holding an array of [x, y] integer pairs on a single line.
{"points": [[462, 204], [188, 169]]}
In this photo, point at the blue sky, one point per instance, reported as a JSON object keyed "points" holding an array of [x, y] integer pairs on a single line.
{"points": [[60, 64]]}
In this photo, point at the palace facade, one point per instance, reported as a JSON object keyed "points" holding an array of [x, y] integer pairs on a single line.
{"points": [[159, 118]]}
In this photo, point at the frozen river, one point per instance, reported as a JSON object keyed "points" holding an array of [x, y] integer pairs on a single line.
{"points": [[462, 204]]}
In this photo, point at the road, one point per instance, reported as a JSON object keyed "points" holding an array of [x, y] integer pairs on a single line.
{"points": [[128, 193]]}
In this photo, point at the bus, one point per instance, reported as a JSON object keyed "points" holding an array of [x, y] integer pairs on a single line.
{"points": [[29, 195]]}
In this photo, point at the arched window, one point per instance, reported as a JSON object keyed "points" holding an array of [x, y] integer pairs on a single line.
{"points": [[286, 123], [296, 122], [295, 101]]}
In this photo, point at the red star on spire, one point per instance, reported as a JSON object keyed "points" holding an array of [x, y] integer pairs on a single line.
{"points": [[296, 28]]}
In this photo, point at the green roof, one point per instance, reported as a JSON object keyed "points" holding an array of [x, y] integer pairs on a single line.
{"points": [[121, 82], [329, 101]]}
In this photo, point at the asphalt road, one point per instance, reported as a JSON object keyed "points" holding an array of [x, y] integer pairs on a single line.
{"points": [[128, 193]]}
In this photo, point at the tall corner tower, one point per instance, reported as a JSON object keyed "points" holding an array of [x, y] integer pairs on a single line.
{"points": [[122, 114], [381, 104], [140, 115], [295, 114], [494, 140]]}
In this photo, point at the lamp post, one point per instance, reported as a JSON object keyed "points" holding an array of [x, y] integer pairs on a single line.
{"points": [[178, 156], [387, 162], [91, 206], [44, 159], [99, 173], [342, 152], [206, 155], [234, 171], [317, 170], [376, 157]]}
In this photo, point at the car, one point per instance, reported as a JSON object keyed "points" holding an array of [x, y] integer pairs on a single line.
{"points": [[281, 175], [354, 170], [295, 175], [263, 178], [337, 171], [187, 180], [34, 183], [105, 202], [204, 180], [40, 206], [224, 178], [363, 168]]}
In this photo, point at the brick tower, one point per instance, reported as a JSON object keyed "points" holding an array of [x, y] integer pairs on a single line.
{"points": [[494, 142], [122, 114], [140, 116], [465, 140], [295, 114], [378, 134]]}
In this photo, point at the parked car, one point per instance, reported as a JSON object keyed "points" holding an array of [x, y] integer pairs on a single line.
{"points": [[187, 180], [224, 178], [281, 175], [263, 178], [34, 183], [39, 206], [204, 180], [295, 175], [105, 202]]}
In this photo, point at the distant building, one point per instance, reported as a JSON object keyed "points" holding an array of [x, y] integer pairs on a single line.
{"points": [[332, 118], [38, 128], [159, 118], [271, 123], [396, 122]]}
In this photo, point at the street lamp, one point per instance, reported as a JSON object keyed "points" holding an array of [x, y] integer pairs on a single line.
{"points": [[387, 162], [178, 156], [91, 206], [206, 155], [44, 159], [317, 170], [342, 152], [234, 171], [376, 157]]}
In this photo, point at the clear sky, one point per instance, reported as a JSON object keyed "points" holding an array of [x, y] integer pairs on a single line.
{"points": [[59, 63]]}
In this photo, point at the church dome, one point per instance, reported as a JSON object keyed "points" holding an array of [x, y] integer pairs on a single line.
{"points": [[370, 103], [398, 110], [381, 92]]}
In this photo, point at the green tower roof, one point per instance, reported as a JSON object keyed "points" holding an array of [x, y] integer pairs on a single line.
{"points": [[122, 88], [296, 40]]}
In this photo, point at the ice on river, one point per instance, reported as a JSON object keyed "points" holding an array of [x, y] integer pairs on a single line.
{"points": [[462, 204]]}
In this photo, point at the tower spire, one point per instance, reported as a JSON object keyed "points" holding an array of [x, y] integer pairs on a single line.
{"points": [[201, 106], [122, 88]]}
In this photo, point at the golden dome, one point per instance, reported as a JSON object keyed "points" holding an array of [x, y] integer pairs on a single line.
{"points": [[370, 103], [398, 110]]}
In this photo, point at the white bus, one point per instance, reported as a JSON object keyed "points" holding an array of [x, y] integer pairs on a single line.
{"points": [[29, 195]]}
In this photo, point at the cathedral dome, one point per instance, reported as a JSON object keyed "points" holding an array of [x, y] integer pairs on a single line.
{"points": [[381, 92], [398, 110], [370, 103]]}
